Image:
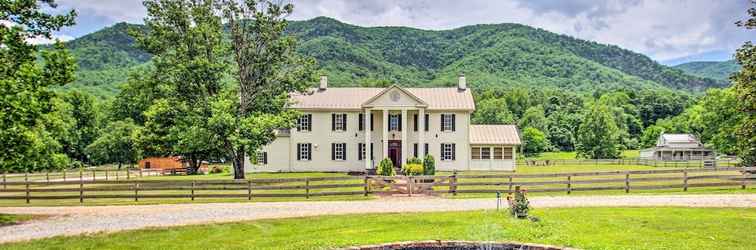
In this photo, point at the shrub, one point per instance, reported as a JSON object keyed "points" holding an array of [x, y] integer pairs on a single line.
{"points": [[413, 169], [386, 168], [520, 205], [429, 165], [414, 160], [217, 169]]}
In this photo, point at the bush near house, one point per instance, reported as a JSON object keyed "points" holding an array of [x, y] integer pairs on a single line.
{"points": [[386, 168], [429, 165], [413, 169]]}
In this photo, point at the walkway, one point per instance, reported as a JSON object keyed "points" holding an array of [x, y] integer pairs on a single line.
{"points": [[79, 220]]}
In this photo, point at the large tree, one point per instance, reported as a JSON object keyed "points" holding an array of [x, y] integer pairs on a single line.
{"points": [[745, 87], [267, 69], [597, 136], [27, 103]]}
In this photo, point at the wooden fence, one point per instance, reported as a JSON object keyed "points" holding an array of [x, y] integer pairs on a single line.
{"points": [[631, 161], [83, 189]]}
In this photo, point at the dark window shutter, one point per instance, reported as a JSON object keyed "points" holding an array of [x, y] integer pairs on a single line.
{"points": [[360, 121], [359, 151], [299, 123], [400, 122], [454, 150], [425, 149], [309, 151], [265, 157], [333, 122], [371, 151], [344, 147], [344, 121], [454, 122], [309, 122], [333, 151], [371, 121], [414, 147], [443, 157], [427, 122], [299, 152], [415, 122], [442, 122]]}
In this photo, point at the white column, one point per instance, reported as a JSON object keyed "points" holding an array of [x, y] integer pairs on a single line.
{"points": [[366, 127], [384, 128], [421, 133], [404, 136]]}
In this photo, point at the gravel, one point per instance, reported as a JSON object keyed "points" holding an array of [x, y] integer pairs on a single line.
{"points": [[83, 220]]}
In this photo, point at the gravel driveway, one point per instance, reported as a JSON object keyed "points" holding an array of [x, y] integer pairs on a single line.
{"points": [[79, 220]]}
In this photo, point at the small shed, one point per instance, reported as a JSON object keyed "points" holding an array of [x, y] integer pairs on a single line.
{"points": [[677, 147], [493, 147]]}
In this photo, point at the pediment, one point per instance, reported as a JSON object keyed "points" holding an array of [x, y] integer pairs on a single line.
{"points": [[394, 96]]}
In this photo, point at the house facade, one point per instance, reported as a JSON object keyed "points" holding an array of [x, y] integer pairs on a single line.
{"points": [[677, 147], [353, 129]]}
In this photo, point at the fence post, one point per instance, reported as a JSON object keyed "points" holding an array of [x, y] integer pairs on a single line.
{"points": [[47, 176], [249, 190], [116, 175], [5, 186], [136, 191], [128, 174], [307, 188], [627, 182], [685, 180], [64, 175], [106, 174], [409, 185], [192, 195], [453, 183], [94, 175], [140, 172], [746, 175], [365, 182], [510, 184], [81, 186], [569, 184], [26, 181]]}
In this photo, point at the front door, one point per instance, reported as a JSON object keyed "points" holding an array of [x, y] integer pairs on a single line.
{"points": [[395, 152]]}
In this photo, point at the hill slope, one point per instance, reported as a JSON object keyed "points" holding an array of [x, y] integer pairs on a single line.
{"points": [[490, 55], [714, 70]]}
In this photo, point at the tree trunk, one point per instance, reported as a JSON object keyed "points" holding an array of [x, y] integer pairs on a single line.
{"points": [[239, 164]]}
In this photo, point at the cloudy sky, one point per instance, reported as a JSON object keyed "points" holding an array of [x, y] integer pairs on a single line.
{"points": [[669, 31]]}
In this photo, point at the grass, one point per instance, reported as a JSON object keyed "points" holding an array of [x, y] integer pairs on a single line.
{"points": [[569, 155], [587, 228], [12, 219]]}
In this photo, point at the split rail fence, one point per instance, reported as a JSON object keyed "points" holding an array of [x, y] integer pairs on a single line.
{"points": [[85, 189], [631, 161]]}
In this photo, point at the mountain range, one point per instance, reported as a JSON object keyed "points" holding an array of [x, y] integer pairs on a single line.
{"points": [[490, 55], [714, 70]]}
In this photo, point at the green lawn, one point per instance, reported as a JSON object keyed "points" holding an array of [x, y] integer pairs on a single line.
{"points": [[631, 153], [587, 228]]}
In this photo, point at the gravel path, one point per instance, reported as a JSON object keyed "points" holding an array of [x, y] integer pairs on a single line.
{"points": [[81, 220]]}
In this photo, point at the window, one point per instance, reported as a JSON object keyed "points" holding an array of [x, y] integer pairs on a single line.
{"points": [[304, 123], [498, 153], [371, 151], [447, 122], [475, 153], [262, 158], [507, 153], [395, 122], [485, 153], [304, 151], [338, 122], [338, 151], [425, 149], [427, 122], [448, 151], [361, 151], [361, 122], [414, 147], [414, 122]]}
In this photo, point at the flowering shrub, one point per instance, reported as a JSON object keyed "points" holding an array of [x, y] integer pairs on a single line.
{"points": [[412, 169], [519, 204]]}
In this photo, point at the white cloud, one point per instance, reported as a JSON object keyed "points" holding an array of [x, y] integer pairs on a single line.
{"points": [[116, 10]]}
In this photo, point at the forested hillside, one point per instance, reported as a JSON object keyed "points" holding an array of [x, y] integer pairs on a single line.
{"points": [[490, 55], [714, 70]]}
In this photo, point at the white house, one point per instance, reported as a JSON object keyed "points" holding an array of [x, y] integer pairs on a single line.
{"points": [[352, 129], [677, 147]]}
